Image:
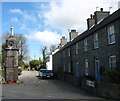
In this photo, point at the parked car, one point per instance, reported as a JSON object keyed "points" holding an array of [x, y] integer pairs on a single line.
{"points": [[40, 71], [19, 70], [46, 73]]}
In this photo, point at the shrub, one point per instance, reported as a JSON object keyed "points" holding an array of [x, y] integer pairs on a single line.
{"points": [[113, 75]]}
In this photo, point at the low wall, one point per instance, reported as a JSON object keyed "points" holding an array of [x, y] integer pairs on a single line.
{"points": [[103, 89], [73, 80], [108, 90]]}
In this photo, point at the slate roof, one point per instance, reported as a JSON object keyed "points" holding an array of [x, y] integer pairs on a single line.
{"points": [[111, 18]]}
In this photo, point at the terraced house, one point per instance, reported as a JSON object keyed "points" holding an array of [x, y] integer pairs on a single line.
{"points": [[87, 57]]}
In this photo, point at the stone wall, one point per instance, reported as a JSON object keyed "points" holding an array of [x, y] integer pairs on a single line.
{"points": [[108, 90], [103, 89]]}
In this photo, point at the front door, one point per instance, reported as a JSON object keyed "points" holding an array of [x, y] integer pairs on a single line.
{"points": [[97, 69]]}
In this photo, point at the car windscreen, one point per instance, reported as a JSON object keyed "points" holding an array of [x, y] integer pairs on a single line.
{"points": [[46, 71]]}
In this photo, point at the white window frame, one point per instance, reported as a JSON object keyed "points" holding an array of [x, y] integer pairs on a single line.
{"points": [[111, 34], [69, 67], [68, 51], [95, 38], [77, 48], [112, 62], [85, 44], [86, 66]]}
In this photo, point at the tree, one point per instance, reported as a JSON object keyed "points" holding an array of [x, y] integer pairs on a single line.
{"points": [[26, 66], [52, 48], [0, 58], [23, 47], [44, 57], [3, 53], [34, 64]]}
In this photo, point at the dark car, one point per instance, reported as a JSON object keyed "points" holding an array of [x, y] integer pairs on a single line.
{"points": [[46, 74]]}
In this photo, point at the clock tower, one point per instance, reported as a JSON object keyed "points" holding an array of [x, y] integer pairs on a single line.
{"points": [[11, 57]]}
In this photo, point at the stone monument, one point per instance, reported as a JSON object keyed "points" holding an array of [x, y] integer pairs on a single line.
{"points": [[11, 57]]}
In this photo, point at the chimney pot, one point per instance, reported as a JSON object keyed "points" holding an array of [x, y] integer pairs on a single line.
{"points": [[91, 16], [73, 30], [101, 9]]}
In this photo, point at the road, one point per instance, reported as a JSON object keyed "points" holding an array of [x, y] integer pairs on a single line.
{"points": [[35, 88]]}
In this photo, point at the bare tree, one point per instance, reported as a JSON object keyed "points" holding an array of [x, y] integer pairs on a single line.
{"points": [[44, 56], [52, 48], [23, 47]]}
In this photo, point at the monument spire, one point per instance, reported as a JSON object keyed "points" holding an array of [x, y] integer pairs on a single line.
{"points": [[12, 30]]}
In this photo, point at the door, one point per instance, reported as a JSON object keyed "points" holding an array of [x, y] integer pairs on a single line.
{"points": [[97, 69]]}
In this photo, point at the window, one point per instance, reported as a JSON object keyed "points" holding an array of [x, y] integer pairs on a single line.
{"points": [[85, 44], [77, 69], [95, 40], [112, 62], [111, 34], [68, 51], [77, 48], [64, 54], [86, 66], [69, 68]]}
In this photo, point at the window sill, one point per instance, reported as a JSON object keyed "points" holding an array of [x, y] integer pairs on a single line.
{"points": [[111, 43]]}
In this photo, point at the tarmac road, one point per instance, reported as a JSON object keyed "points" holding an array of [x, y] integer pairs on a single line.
{"points": [[35, 88]]}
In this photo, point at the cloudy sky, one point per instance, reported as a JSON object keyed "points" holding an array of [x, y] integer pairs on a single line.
{"points": [[44, 22]]}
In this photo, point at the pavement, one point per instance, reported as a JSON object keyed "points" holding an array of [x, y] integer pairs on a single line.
{"points": [[35, 88]]}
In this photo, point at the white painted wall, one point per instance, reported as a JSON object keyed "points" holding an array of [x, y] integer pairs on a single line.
{"points": [[49, 64]]}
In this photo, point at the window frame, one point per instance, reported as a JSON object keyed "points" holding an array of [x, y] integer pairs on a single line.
{"points": [[112, 63], [95, 41], [85, 44], [69, 52], [63, 53], [77, 48], [86, 67], [111, 34]]}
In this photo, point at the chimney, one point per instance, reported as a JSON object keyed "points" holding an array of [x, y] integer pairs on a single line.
{"points": [[118, 4], [90, 21], [63, 41], [73, 34], [99, 15]]}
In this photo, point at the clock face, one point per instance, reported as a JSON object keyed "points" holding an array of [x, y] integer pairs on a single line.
{"points": [[10, 44]]}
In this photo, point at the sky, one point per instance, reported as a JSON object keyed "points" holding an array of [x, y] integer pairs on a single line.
{"points": [[44, 22]]}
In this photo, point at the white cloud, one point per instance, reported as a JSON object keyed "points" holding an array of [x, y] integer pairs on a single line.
{"points": [[45, 37], [73, 13], [24, 15], [16, 11]]}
